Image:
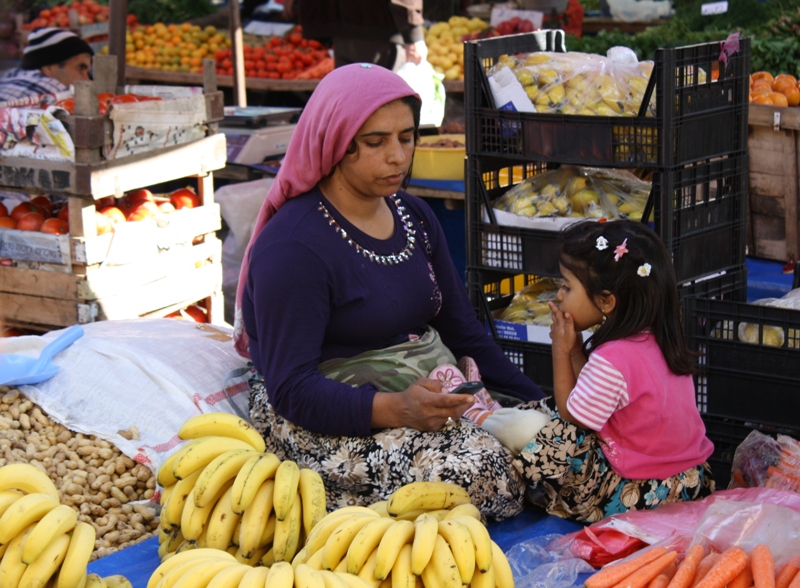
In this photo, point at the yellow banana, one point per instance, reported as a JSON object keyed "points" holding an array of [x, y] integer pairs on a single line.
{"points": [[287, 533], [117, 581], [322, 530], [174, 539], [165, 494], [202, 573], [254, 559], [38, 573], [332, 580], [81, 583], [427, 496], [255, 578], [307, 577], [203, 452], [237, 532], [411, 515], [503, 576], [268, 558], [255, 471], [95, 581], [299, 557], [268, 534], [7, 498], [483, 579], [312, 495], [352, 581], [402, 576], [172, 511], [426, 529], [281, 575], [28, 509], [365, 542], [459, 540], [380, 507], [217, 473], [468, 509], [287, 478], [399, 534], [193, 519], [222, 424], [27, 478], [81, 547], [339, 541], [165, 476], [367, 571], [255, 518], [481, 540], [55, 523], [315, 559], [11, 566], [186, 556], [222, 523], [174, 575]]}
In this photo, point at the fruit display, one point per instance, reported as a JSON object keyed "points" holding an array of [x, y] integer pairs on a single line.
{"points": [[42, 540], [105, 100], [530, 306], [88, 11], [577, 192], [173, 47], [445, 41], [780, 90], [578, 83]]}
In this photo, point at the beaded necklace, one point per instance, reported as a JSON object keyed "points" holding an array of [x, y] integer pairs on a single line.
{"points": [[392, 259]]}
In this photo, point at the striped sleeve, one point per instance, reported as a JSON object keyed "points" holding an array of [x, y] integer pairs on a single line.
{"points": [[599, 392]]}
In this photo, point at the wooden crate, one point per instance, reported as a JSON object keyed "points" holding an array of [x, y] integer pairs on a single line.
{"points": [[773, 227]]}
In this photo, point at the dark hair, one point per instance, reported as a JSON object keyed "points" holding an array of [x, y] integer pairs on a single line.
{"points": [[641, 302], [416, 107]]}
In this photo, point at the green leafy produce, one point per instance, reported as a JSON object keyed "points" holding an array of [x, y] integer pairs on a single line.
{"points": [[169, 11]]}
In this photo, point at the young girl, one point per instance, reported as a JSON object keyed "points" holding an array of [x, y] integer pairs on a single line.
{"points": [[626, 433]]}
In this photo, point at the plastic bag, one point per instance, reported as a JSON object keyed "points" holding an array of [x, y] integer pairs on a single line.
{"points": [[772, 335], [761, 460], [639, 10], [530, 305], [574, 83], [428, 84], [534, 565]]}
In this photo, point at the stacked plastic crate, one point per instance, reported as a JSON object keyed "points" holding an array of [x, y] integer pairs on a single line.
{"points": [[694, 147]]}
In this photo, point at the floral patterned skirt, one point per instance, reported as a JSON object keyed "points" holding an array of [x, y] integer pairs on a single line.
{"points": [[364, 470], [569, 475]]}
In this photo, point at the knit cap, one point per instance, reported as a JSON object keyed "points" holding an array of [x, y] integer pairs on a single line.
{"points": [[51, 45]]}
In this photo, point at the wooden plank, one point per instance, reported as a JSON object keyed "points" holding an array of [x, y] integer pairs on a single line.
{"points": [[46, 311], [104, 73], [38, 175], [763, 115], [39, 283], [792, 204], [237, 45], [767, 204], [769, 237], [117, 30], [205, 189]]}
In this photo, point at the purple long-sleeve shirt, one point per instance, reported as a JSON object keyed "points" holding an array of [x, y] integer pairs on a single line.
{"points": [[318, 299]]}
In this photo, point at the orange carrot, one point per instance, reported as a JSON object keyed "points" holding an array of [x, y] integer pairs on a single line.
{"points": [[611, 575], [670, 570], [743, 580], [641, 577], [660, 581], [686, 571], [788, 573], [763, 566], [704, 567], [730, 564], [796, 582]]}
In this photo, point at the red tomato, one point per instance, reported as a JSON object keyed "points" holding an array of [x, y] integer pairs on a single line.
{"points": [[140, 195], [114, 214], [102, 203], [63, 214], [24, 208], [295, 38], [6, 222], [31, 221], [3, 210], [44, 203], [124, 99], [56, 226], [184, 198], [67, 104]]}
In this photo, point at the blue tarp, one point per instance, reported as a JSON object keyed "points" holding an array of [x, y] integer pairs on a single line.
{"points": [[139, 561]]}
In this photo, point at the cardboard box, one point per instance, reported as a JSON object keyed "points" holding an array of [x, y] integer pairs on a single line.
{"points": [[250, 146], [528, 333]]}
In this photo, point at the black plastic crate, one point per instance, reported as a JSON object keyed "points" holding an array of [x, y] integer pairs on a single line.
{"points": [[699, 207], [750, 382], [727, 434], [694, 119]]}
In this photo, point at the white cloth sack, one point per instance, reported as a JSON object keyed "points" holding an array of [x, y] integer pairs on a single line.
{"points": [[428, 84], [152, 374]]}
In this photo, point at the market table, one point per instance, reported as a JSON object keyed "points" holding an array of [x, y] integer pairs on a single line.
{"points": [[139, 561]]}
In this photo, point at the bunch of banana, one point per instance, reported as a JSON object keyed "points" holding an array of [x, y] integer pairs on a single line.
{"points": [[217, 569], [445, 547], [41, 540], [222, 491], [530, 305]]}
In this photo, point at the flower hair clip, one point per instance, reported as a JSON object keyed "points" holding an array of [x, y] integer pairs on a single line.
{"points": [[644, 270], [602, 243], [620, 250]]}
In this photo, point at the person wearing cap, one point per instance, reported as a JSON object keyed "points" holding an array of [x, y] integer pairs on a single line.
{"points": [[53, 60]]}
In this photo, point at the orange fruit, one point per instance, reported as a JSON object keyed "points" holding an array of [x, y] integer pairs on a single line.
{"points": [[778, 99], [762, 99], [779, 85], [761, 89], [789, 77], [763, 75], [792, 94]]}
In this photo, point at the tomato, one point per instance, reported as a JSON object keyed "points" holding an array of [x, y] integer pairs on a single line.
{"points": [[63, 214], [226, 64], [103, 223], [44, 203], [31, 221], [24, 208], [105, 97], [105, 202], [55, 226], [197, 313], [67, 104], [3, 210], [184, 198], [140, 195], [114, 214], [124, 99], [6, 222], [314, 44], [294, 38]]}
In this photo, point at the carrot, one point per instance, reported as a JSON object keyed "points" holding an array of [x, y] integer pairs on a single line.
{"points": [[730, 564], [743, 580], [685, 573], [641, 577], [670, 570], [611, 575], [704, 567], [788, 573], [796, 582], [763, 566], [660, 581]]}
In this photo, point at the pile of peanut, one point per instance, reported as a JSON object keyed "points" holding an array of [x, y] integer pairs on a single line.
{"points": [[109, 490]]}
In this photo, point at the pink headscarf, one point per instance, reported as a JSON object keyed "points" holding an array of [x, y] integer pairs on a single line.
{"points": [[341, 103]]}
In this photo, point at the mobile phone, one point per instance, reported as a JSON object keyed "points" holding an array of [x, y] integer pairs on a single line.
{"points": [[468, 388]]}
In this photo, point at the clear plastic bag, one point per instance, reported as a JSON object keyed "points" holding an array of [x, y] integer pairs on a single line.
{"points": [[530, 305], [761, 460], [772, 335], [536, 566]]}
